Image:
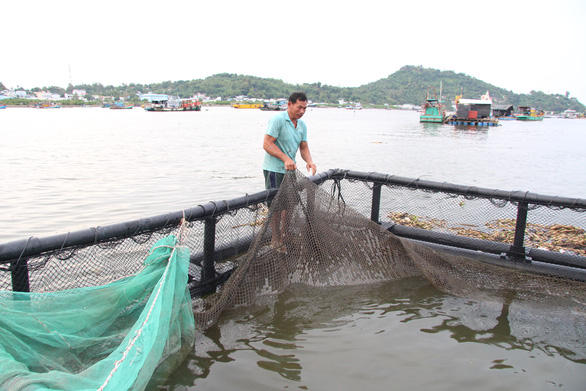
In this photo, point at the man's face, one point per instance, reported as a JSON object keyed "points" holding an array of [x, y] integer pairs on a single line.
{"points": [[297, 109]]}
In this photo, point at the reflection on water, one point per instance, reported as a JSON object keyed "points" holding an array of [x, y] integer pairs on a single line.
{"points": [[403, 333]]}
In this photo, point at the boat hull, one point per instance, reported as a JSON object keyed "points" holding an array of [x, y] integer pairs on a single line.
{"points": [[247, 106], [273, 109], [528, 118], [172, 109], [436, 119]]}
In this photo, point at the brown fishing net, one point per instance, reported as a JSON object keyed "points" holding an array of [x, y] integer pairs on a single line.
{"points": [[311, 237]]}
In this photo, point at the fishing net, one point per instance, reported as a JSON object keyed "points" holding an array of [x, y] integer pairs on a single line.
{"points": [[120, 313], [311, 237], [117, 336]]}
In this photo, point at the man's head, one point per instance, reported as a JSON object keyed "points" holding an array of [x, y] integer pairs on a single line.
{"points": [[297, 105]]}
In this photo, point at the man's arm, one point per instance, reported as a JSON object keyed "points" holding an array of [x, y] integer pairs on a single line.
{"points": [[271, 148], [306, 155]]}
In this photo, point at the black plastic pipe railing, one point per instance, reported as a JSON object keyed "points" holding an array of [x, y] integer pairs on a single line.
{"points": [[16, 253], [25, 248], [515, 251], [472, 191]]}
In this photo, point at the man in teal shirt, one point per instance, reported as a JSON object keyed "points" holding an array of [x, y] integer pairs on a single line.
{"points": [[285, 135]]}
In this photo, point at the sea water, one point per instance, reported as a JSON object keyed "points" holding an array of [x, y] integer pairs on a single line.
{"points": [[74, 168], [401, 335]]}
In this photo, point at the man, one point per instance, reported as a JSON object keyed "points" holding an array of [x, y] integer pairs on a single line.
{"points": [[285, 135]]}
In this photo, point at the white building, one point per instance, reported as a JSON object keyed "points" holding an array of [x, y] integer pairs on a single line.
{"points": [[79, 93]]}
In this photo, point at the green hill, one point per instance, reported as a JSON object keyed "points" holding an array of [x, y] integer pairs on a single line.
{"points": [[407, 85]]}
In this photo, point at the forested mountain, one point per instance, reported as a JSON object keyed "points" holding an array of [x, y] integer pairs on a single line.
{"points": [[406, 86], [409, 85]]}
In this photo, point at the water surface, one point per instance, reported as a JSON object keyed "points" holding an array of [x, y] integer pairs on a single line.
{"points": [[69, 169], [393, 336]]}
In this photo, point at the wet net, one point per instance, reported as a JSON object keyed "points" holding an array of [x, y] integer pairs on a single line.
{"points": [[313, 238], [118, 336]]}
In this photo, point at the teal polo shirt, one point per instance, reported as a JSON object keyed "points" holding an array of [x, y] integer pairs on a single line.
{"points": [[288, 139]]}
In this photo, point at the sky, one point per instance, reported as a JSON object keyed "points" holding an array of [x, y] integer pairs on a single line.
{"points": [[516, 45]]}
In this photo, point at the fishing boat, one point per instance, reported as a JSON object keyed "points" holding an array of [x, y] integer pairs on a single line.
{"points": [[272, 105], [433, 110], [3, 107], [119, 106], [247, 106], [530, 114], [46, 105], [356, 106], [158, 102]]}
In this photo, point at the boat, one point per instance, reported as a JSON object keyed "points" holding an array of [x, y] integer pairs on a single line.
{"points": [[46, 105], [159, 102], [247, 106], [530, 114], [119, 106], [433, 110], [356, 106], [272, 105], [3, 107], [475, 112]]}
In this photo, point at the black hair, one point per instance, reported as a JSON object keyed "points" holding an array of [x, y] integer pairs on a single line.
{"points": [[298, 96]]}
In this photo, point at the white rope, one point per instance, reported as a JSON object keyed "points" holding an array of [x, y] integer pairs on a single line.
{"points": [[182, 230]]}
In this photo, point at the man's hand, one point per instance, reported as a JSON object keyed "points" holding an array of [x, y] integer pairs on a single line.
{"points": [[311, 166], [290, 165]]}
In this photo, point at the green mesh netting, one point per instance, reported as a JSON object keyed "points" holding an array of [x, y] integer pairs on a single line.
{"points": [[113, 337]]}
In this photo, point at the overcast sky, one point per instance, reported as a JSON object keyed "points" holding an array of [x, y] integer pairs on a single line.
{"points": [[517, 45]]}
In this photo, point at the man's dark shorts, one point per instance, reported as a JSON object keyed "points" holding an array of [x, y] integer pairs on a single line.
{"points": [[273, 179]]}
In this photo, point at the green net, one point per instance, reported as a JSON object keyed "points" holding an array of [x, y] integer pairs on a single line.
{"points": [[118, 336]]}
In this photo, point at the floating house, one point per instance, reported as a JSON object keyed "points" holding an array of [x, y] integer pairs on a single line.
{"points": [[500, 111], [476, 112]]}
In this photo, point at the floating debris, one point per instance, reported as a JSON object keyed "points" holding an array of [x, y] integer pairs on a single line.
{"points": [[414, 221], [555, 237]]}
